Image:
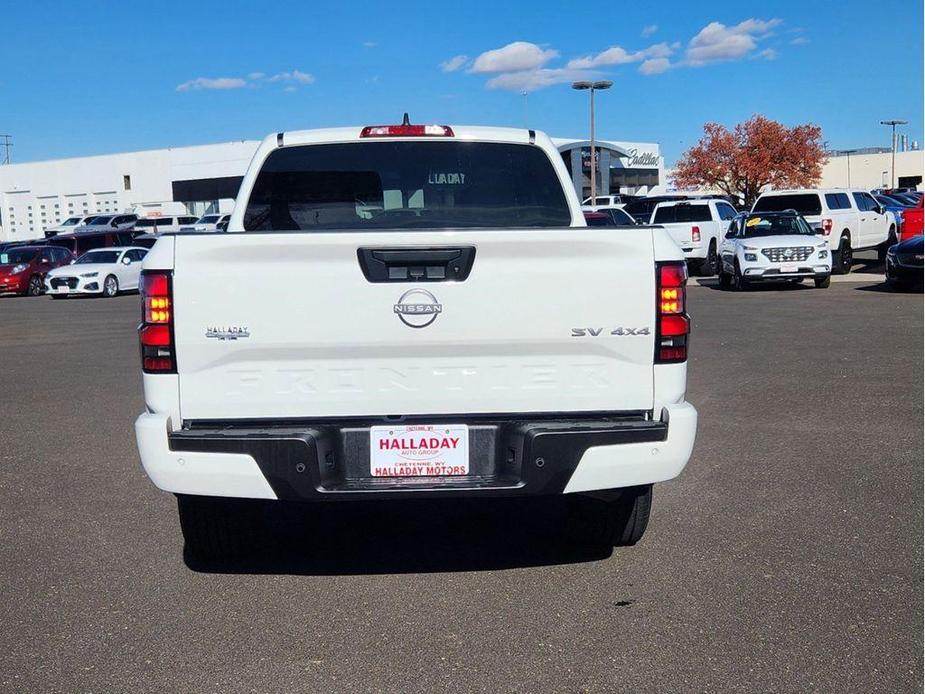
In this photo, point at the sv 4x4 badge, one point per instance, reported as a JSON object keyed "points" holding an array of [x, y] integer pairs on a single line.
{"points": [[597, 332]]}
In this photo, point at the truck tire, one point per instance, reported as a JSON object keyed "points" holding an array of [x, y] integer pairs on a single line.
{"points": [[891, 240], [710, 265], [219, 529], [843, 257], [823, 282], [619, 522]]}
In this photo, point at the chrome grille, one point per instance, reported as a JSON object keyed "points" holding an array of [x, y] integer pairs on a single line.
{"points": [[787, 254], [57, 282]]}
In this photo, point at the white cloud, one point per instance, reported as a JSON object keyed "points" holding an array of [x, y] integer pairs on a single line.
{"points": [[212, 83], [717, 42], [454, 63], [767, 54], [370, 44], [615, 55], [799, 41], [654, 66], [649, 30], [253, 79], [290, 89], [516, 56], [294, 76], [531, 80]]}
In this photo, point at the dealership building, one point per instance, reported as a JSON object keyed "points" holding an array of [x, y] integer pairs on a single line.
{"points": [[37, 195]]}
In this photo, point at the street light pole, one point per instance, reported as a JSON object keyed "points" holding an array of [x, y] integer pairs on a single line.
{"points": [[592, 86], [893, 124]]}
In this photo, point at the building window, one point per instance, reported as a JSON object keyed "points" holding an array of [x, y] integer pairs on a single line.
{"points": [[127, 182]]}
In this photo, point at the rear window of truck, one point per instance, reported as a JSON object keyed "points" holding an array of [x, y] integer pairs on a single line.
{"points": [[804, 203], [682, 213], [363, 186]]}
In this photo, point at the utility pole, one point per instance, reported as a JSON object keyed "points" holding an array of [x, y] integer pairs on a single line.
{"points": [[893, 124], [7, 146]]}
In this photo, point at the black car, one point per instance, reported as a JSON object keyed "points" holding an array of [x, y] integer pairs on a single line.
{"points": [[904, 263]]}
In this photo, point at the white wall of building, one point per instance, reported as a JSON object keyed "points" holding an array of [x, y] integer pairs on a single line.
{"points": [[870, 170], [37, 195]]}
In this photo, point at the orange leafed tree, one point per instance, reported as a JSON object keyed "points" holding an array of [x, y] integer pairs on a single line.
{"points": [[757, 153]]}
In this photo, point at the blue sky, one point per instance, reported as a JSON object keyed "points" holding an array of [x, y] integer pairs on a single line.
{"points": [[95, 77]]}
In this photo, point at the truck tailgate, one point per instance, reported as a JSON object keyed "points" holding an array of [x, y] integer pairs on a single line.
{"points": [[286, 325]]}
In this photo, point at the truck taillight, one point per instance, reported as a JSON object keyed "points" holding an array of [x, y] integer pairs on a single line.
{"points": [[695, 234], [826, 226], [407, 131], [156, 330], [672, 322]]}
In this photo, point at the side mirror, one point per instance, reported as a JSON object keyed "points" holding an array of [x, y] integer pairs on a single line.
{"points": [[731, 234], [879, 209], [126, 261], [43, 261], [73, 260]]}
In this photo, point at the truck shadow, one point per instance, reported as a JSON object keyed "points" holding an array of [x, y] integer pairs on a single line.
{"points": [[425, 536]]}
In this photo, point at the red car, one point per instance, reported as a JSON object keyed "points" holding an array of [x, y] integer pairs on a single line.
{"points": [[912, 222], [23, 268]]}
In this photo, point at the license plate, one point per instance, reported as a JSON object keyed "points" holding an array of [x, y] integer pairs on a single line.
{"points": [[64, 288], [419, 450], [789, 267]]}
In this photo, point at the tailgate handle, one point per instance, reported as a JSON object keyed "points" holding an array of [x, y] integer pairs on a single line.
{"points": [[416, 264]]}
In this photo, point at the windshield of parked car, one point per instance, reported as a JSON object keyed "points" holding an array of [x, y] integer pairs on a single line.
{"points": [[17, 256], [100, 220], [98, 257], [775, 225], [70, 221], [144, 223], [362, 186], [804, 203], [208, 219]]}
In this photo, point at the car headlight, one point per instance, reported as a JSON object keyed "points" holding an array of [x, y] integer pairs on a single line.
{"points": [[824, 254], [90, 274], [749, 248], [751, 258], [18, 268]]}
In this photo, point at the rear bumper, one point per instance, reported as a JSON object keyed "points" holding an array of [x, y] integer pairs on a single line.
{"points": [[330, 460], [14, 284]]}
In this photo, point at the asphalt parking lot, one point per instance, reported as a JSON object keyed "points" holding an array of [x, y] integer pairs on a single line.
{"points": [[786, 558]]}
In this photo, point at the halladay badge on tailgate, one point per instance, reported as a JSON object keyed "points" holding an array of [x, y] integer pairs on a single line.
{"points": [[231, 332]]}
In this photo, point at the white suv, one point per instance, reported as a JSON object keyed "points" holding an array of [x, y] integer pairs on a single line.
{"points": [[773, 247], [851, 220]]}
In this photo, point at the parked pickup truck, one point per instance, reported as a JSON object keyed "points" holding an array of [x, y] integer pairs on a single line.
{"points": [[409, 311], [698, 227], [850, 220]]}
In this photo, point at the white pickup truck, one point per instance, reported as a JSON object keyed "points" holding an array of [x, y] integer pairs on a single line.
{"points": [[410, 311], [698, 227]]}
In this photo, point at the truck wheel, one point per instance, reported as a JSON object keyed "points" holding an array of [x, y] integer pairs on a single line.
{"points": [[710, 266], [823, 282], [843, 257], [619, 522], [725, 279], [884, 247], [218, 528]]}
